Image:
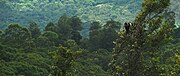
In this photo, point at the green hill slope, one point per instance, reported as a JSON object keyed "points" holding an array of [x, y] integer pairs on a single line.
{"points": [[44, 11]]}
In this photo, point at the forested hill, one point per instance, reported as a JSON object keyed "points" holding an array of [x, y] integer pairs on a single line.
{"points": [[44, 11], [53, 44]]}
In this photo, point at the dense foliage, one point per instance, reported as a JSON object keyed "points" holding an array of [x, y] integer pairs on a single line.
{"points": [[150, 48], [140, 52], [44, 11]]}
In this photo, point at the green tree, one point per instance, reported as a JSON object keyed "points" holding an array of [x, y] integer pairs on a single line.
{"points": [[76, 36], [92, 63], [76, 26], [1, 32], [169, 62], [63, 61], [14, 61], [47, 39], [94, 39], [16, 36], [114, 25], [51, 27], [69, 28], [109, 34], [64, 27], [34, 29], [84, 43], [136, 53], [76, 23], [101, 57], [6, 70], [103, 37], [95, 26]]}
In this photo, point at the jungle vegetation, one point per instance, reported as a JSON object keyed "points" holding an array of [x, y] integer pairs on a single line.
{"points": [[151, 48]]}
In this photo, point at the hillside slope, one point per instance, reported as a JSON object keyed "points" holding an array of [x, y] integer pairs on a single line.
{"points": [[44, 11]]}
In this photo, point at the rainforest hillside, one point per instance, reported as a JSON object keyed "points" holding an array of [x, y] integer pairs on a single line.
{"points": [[89, 38], [44, 11]]}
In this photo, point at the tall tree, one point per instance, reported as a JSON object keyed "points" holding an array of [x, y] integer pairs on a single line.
{"points": [[76, 23], [135, 53], [34, 29], [109, 34], [76, 36], [64, 59], [76, 26], [16, 36], [51, 27], [94, 39], [103, 37], [47, 39], [69, 28], [64, 27]]}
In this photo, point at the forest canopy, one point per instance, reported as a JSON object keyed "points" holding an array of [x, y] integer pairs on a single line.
{"points": [[67, 46], [44, 11]]}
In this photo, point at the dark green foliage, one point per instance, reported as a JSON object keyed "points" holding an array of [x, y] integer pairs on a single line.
{"points": [[176, 33], [139, 52], [23, 68], [16, 62], [109, 34], [34, 29], [84, 43], [89, 69], [6, 53], [1, 32], [95, 26], [100, 57], [64, 27], [151, 48], [52, 37], [6, 70], [46, 39], [76, 23], [103, 37], [114, 25], [76, 36], [63, 61], [51, 27], [94, 40], [69, 28], [16, 36]]}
